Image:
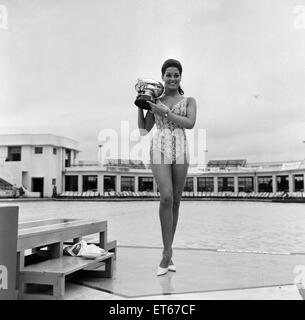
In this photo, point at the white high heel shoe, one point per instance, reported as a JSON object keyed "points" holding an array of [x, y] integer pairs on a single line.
{"points": [[162, 271], [172, 268]]}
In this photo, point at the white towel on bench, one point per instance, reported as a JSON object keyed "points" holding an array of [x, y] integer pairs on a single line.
{"points": [[82, 249]]}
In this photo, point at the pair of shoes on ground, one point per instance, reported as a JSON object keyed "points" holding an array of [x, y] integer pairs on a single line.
{"points": [[162, 271]]}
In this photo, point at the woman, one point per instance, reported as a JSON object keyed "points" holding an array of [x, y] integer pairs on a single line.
{"points": [[169, 156]]}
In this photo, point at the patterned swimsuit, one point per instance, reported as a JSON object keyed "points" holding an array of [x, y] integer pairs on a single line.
{"points": [[170, 138]]}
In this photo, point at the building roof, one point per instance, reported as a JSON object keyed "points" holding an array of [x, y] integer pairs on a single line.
{"points": [[37, 140], [227, 163]]}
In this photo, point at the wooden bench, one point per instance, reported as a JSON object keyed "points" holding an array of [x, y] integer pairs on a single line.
{"points": [[46, 267], [51, 274]]}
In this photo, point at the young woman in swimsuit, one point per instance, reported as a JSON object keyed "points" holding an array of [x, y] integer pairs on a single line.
{"points": [[169, 155]]}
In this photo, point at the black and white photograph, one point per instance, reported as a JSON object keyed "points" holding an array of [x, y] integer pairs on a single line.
{"points": [[152, 151]]}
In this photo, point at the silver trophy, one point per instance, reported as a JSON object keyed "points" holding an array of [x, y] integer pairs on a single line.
{"points": [[148, 90]]}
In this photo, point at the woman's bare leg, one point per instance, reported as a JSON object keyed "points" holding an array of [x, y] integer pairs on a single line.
{"points": [[163, 175], [179, 173]]}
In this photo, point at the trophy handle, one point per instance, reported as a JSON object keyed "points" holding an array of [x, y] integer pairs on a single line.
{"points": [[141, 102]]}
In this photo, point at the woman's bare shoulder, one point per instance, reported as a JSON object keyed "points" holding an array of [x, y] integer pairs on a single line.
{"points": [[191, 99]]}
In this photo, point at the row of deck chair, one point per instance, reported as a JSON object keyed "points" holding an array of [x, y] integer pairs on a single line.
{"points": [[185, 194], [130, 194], [76, 194]]}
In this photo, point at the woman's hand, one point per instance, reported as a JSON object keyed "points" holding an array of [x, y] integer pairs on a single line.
{"points": [[159, 109]]}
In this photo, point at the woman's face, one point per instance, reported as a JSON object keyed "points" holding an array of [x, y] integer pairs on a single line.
{"points": [[171, 78]]}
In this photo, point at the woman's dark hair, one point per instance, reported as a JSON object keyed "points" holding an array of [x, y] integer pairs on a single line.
{"points": [[172, 63]]}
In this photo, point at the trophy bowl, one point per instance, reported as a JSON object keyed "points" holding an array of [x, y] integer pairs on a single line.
{"points": [[148, 90]]}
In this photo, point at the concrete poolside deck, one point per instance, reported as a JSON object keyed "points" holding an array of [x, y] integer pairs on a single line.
{"points": [[201, 275]]}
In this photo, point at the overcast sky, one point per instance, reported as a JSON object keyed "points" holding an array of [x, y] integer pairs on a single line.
{"points": [[68, 67]]}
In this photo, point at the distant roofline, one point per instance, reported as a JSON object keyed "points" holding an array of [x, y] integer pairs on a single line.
{"points": [[39, 139]]}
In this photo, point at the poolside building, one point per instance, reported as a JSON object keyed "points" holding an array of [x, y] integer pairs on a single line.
{"points": [[219, 176], [38, 162]]}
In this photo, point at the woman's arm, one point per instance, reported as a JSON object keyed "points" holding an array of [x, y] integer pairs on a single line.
{"points": [[145, 124], [187, 121]]}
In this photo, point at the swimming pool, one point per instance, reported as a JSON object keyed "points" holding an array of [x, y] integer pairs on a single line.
{"points": [[225, 225]]}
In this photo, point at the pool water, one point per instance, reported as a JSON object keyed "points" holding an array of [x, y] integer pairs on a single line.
{"points": [[225, 225]]}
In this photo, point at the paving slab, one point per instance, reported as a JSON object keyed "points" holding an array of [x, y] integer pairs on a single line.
{"points": [[198, 271]]}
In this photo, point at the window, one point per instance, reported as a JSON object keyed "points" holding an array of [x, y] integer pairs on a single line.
{"points": [[68, 158], [225, 184], [205, 184], [298, 183], [14, 154], [146, 183], [54, 151], [38, 150], [264, 184], [109, 183], [245, 184], [53, 182], [71, 183], [127, 183], [282, 183], [89, 183], [189, 184]]}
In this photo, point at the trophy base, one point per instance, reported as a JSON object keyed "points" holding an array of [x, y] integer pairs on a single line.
{"points": [[141, 102]]}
